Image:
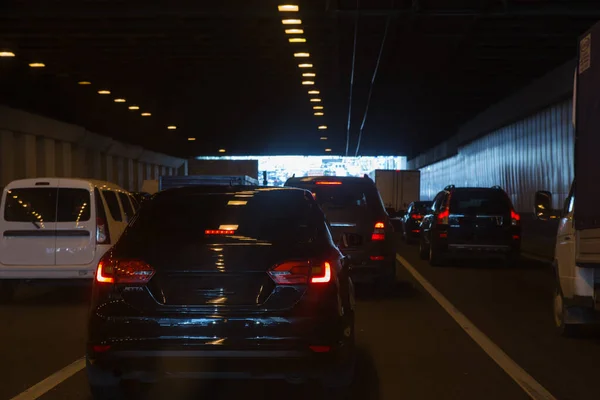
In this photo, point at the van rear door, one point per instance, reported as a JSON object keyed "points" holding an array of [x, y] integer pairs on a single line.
{"points": [[75, 223], [28, 223]]}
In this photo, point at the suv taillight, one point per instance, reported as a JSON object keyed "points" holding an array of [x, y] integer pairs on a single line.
{"points": [[442, 218], [300, 273], [416, 216], [379, 232], [515, 218], [102, 231], [130, 271]]}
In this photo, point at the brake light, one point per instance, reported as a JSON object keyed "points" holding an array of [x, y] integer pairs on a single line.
{"points": [[328, 183], [377, 258], [515, 218], [102, 232], [131, 271], [320, 349], [416, 216], [300, 272], [101, 348], [218, 232], [379, 232], [443, 217]]}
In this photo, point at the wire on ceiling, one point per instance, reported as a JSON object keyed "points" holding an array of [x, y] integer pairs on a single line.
{"points": [[352, 77], [362, 125]]}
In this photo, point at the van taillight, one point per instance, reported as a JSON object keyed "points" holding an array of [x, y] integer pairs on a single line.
{"points": [[130, 271], [300, 273], [442, 217], [102, 232], [379, 232], [515, 218]]}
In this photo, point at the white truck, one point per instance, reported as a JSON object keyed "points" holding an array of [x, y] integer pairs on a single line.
{"points": [[577, 252], [398, 188]]}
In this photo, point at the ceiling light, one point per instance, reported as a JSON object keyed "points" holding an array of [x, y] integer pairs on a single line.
{"points": [[291, 21], [301, 55], [322, 127], [317, 107], [297, 40], [221, 150], [309, 75], [134, 107], [305, 65], [84, 82], [288, 8], [328, 150], [315, 100], [37, 65], [313, 92], [120, 100], [171, 127], [103, 91], [146, 114], [318, 114], [7, 54], [294, 31], [308, 83], [191, 139], [323, 137]]}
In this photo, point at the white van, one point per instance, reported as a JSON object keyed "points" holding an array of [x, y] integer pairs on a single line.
{"points": [[58, 228]]}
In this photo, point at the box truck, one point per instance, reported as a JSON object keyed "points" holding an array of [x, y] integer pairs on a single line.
{"points": [[398, 188]]}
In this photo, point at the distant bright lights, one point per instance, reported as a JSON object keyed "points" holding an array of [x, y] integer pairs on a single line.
{"points": [[120, 100], [315, 100], [305, 65], [134, 107], [191, 139], [103, 91], [309, 75], [7, 54], [301, 55], [146, 114], [37, 65], [323, 137], [171, 127], [84, 83], [328, 150], [288, 8], [314, 92], [297, 40], [294, 31], [308, 83], [222, 150], [317, 107], [319, 114], [322, 127], [291, 21]]}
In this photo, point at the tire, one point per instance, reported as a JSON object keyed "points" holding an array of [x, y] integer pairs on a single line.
{"points": [[7, 291], [435, 258], [559, 311], [423, 250], [103, 384]]}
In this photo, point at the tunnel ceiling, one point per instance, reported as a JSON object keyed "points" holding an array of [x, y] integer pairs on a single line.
{"points": [[224, 71]]}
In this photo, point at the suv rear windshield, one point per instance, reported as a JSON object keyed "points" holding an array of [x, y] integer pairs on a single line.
{"points": [[270, 216], [422, 207], [479, 201], [347, 196], [40, 204]]}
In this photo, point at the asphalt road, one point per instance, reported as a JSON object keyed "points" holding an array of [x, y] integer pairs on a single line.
{"points": [[410, 347]]}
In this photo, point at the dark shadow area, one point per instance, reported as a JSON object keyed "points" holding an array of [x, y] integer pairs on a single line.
{"points": [[46, 294], [523, 263], [364, 387], [401, 290]]}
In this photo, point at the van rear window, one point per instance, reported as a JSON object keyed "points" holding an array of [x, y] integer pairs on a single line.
{"points": [[47, 205], [113, 205]]}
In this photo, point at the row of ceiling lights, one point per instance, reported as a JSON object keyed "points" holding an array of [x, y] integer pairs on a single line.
{"points": [[294, 30], [10, 54]]}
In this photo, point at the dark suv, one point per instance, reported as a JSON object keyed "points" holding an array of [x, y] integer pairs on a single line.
{"points": [[222, 282], [358, 222], [466, 222], [411, 221]]}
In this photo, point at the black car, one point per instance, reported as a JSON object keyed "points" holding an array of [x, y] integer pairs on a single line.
{"points": [[222, 282], [466, 222], [411, 221], [359, 223]]}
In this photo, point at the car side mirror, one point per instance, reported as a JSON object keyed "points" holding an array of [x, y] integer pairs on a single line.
{"points": [[542, 208]]}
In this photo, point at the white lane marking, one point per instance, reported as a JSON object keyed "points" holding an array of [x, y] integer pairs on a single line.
{"points": [[43, 387], [532, 387]]}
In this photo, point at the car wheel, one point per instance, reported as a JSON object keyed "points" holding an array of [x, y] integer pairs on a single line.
{"points": [[435, 258], [560, 310], [103, 384], [7, 291], [423, 250]]}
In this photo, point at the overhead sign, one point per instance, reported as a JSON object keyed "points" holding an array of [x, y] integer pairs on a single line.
{"points": [[587, 131]]}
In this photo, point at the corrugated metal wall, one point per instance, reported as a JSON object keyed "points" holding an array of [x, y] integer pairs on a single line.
{"points": [[535, 153]]}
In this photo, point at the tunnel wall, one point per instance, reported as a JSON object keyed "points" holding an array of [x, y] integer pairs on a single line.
{"points": [[35, 146]]}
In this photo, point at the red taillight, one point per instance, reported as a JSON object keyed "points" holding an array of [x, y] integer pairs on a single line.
{"points": [[379, 232], [416, 216], [328, 183], [515, 218], [101, 348], [416, 230], [130, 271], [442, 217], [320, 349], [102, 232], [444, 235], [516, 237], [218, 232], [299, 273], [377, 258]]}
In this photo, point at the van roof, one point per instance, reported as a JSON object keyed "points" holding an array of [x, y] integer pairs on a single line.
{"points": [[20, 183]]}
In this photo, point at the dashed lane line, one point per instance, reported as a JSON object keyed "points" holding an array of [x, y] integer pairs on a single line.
{"points": [[532, 387], [43, 387]]}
